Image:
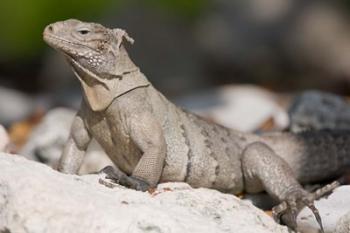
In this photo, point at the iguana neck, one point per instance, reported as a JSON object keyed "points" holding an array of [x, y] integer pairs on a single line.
{"points": [[123, 62], [99, 92]]}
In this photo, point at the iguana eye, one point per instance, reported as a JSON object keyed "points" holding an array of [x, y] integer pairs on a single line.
{"points": [[83, 31]]}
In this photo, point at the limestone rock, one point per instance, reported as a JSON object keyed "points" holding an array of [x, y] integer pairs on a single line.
{"points": [[34, 198], [343, 225]]}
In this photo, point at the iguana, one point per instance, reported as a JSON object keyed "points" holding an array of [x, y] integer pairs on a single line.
{"points": [[150, 140]]}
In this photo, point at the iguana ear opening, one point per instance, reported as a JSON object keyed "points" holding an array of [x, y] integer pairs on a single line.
{"points": [[121, 35]]}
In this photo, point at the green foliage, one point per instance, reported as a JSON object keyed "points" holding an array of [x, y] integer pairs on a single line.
{"points": [[22, 21], [188, 8]]}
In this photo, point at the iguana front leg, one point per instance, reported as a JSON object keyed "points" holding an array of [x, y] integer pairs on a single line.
{"points": [[264, 169], [75, 148], [147, 134]]}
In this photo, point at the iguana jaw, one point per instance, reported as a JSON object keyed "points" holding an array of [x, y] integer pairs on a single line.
{"points": [[76, 51], [65, 47]]}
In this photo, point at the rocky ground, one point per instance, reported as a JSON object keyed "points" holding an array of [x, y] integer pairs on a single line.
{"points": [[36, 198]]}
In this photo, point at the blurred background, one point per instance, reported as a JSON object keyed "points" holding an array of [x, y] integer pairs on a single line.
{"points": [[191, 50], [251, 65]]}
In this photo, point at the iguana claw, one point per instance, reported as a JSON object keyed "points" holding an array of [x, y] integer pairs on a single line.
{"points": [[287, 211], [121, 178]]}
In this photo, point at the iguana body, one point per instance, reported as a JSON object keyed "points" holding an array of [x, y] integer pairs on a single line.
{"points": [[190, 149], [151, 140]]}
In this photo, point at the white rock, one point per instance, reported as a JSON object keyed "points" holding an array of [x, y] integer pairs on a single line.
{"points": [[241, 107], [4, 139], [34, 198], [331, 210], [343, 225], [47, 140], [14, 106]]}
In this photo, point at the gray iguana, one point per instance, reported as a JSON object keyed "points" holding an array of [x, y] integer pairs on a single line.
{"points": [[150, 140]]}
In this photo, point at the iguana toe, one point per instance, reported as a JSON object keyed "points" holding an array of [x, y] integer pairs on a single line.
{"points": [[117, 176], [287, 211]]}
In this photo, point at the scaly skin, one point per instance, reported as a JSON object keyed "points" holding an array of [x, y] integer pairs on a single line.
{"points": [[150, 140]]}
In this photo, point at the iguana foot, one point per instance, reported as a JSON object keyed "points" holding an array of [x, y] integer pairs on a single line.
{"points": [[107, 183], [288, 210], [119, 177]]}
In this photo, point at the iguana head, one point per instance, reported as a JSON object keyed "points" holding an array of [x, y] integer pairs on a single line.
{"points": [[98, 58], [90, 45]]}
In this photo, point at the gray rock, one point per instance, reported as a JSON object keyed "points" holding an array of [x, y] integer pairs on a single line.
{"points": [[331, 210], [319, 110], [47, 140], [343, 225], [38, 199], [14, 105]]}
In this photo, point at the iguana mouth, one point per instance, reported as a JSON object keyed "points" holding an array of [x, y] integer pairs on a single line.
{"points": [[55, 41]]}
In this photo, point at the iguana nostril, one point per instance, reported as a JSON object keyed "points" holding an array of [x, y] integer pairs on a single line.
{"points": [[49, 28]]}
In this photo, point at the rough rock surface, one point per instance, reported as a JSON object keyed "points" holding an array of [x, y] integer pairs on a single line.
{"points": [[34, 198], [331, 209], [343, 225], [47, 140]]}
